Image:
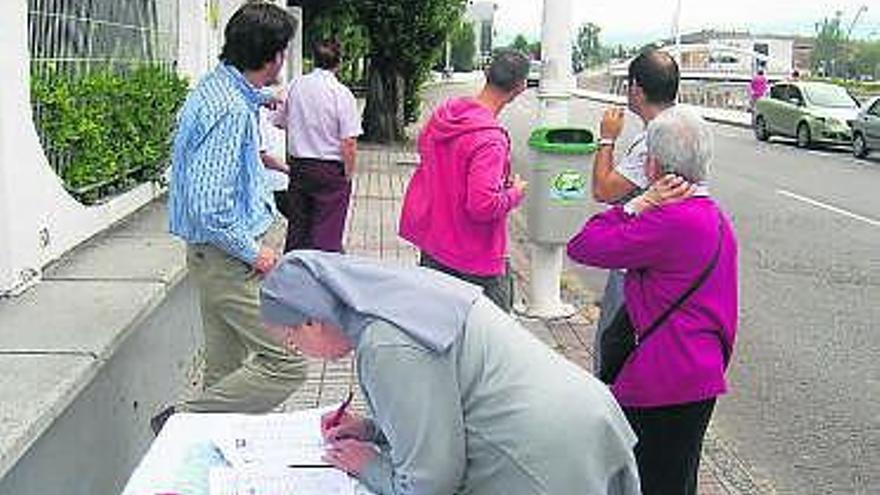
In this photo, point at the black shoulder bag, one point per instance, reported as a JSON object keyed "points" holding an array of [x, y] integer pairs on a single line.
{"points": [[620, 340]]}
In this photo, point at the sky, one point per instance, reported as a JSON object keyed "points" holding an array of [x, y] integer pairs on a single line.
{"points": [[634, 22]]}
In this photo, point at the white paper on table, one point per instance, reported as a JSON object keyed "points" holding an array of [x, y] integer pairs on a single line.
{"points": [[273, 440], [302, 481]]}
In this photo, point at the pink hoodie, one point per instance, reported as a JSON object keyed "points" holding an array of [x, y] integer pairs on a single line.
{"points": [[456, 204]]}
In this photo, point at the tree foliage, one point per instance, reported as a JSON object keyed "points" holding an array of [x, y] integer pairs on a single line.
{"points": [[464, 47], [587, 50], [404, 38], [109, 129], [830, 41], [866, 59], [521, 43]]}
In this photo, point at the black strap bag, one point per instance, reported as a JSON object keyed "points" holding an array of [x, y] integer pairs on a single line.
{"points": [[620, 340]]}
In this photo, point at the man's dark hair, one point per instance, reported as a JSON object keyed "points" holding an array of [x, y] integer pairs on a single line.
{"points": [[656, 73], [255, 34], [509, 67], [327, 54]]}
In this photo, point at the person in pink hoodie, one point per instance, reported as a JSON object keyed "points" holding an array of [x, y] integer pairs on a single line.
{"points": [[457, 202], [757, 88]]}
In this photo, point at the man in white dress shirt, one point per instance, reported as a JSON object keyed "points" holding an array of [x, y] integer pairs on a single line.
{"points": [[323, 124]]}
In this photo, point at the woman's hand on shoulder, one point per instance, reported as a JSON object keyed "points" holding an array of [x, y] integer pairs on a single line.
{"points": [[667, 190]]}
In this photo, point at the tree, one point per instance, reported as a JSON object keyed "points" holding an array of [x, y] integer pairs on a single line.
{"points": [[830, 41], [336, 19], [406, 37], [866, 59], [520, 43], [587, 51], [400, 39], [464, 47]]}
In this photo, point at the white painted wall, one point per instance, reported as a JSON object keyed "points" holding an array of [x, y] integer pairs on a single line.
{"points": [[39, 221], [194, 38], [781, 56]]}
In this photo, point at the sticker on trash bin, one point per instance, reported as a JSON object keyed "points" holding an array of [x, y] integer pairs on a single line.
{"points": [[568, 185]]}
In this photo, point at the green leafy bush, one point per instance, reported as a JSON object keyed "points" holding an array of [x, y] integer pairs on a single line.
{"points": [[107, 131]]}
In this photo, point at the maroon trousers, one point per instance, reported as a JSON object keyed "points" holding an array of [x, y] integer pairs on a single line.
{"points": [[318, 197]]}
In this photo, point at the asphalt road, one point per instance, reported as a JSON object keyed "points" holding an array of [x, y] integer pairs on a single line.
{"points": [[804, 407]]}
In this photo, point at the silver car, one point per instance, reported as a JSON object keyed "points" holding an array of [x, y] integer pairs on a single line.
{"points": [[866, 129]]}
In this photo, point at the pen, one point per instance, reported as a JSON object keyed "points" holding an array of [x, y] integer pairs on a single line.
{"points": [[337, 417]]}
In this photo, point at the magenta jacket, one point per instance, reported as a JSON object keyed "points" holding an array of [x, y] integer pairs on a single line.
{"points": [[664, 250], [457, 202]]}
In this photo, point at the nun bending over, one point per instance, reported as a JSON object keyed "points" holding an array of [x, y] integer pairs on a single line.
{"points": [[462, 399]]}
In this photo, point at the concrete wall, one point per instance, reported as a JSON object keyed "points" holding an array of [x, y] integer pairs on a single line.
{"points": [[92, 447]]}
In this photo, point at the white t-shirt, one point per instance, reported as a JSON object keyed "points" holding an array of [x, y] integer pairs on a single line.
{"points": [[632, 165], [272, 142]]}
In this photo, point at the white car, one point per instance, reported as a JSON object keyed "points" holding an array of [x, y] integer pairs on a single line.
{"points": [[534, 77]]}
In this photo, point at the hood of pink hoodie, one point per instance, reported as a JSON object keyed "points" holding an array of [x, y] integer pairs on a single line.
{"points": [[462, 116]]}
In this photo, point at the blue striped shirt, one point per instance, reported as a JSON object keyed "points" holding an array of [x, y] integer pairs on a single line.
{"points": [[219, 193]]}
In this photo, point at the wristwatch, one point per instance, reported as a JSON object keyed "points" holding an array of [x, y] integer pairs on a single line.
{"points": [[606, 142]]}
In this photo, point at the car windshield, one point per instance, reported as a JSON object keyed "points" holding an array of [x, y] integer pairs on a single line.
{"points": [[829, 95]]}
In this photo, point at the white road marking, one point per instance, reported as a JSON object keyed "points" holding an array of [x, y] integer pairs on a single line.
{"points": [[825, 206]]}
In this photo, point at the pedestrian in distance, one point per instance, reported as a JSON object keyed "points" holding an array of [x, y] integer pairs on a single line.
{"points": [[220, 205], [757, 88], [461, 398], [667, 350], [322, 121], [456, 205]]}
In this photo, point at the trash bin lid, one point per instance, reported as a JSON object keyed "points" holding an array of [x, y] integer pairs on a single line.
{"points": [[563, 140]]}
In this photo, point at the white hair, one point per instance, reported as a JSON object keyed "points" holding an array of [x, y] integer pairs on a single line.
{"points": [[682, 142]]}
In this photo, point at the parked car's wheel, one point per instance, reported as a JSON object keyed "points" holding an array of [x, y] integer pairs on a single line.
{"points": [[859, 146], [762, 132], [804, 139]]}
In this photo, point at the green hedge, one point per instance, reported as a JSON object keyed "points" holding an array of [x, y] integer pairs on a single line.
{"points": [[107, 131]]}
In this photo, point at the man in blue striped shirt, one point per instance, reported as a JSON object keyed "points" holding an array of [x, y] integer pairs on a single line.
{"points": [[220, 204]]}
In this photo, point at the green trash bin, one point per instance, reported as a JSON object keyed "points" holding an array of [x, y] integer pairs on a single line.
{"points": [[559, 186]]}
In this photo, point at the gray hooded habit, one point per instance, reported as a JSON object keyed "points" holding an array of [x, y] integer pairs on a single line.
{"points": [[478, 406], [351, 292]]}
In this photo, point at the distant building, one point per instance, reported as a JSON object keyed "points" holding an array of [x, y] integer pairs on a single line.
{"points": [[482, 16], [736, 55], [743, 52]]}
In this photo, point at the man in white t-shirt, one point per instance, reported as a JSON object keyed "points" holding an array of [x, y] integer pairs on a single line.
{"points": [[277, 170], [653, 87], [323, 123]]}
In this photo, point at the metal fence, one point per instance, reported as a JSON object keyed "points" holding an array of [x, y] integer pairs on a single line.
{"points": [[70, 38]]}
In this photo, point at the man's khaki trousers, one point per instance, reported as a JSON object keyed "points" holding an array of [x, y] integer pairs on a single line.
{"points": [[245, 371]]}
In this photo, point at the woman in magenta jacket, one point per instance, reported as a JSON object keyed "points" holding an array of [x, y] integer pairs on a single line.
{"points": [[665, 239]]}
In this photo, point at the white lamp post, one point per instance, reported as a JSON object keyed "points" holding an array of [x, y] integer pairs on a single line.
{"points": [[554, 94]]}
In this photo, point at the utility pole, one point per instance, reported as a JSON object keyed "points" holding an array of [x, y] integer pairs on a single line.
{"points": [[554, 94]]}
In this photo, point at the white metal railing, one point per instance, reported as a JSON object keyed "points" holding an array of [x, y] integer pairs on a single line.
{"points": [[68, 38]]}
